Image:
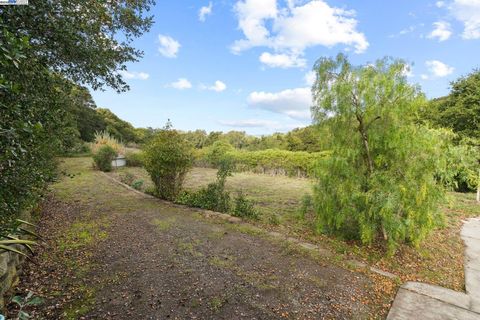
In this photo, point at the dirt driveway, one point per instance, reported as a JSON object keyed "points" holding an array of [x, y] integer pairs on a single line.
{"points": [[115, 254]]}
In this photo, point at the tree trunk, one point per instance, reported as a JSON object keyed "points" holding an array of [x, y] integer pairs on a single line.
{"points": [[363, 133]]}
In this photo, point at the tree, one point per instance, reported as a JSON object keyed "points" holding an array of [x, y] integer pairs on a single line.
{"points": [[167, 158], [379, 182], [43, 47], [80, 39], [460, 110], [120, 129]]}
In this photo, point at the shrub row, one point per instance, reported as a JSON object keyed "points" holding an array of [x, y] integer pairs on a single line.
{"points": [[271, 161]]}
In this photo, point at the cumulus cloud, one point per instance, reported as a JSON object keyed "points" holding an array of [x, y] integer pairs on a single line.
{"points": [[168, 46], [218, 86], [282, 60], [441, 32], [467, 12], [294, 103], [180, 84], [440, 4], [310, 78], [292, 29], [134, 75], [438, 69], [205, 11]]}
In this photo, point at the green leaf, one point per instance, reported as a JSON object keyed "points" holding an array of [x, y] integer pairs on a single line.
{"points": [[8, 248], [35, 301], [18, 300]]}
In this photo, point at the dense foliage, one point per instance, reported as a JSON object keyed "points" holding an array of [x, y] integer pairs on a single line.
{"points": [[103, 158], [272, 161], [460, 110], [379, 182], [310, 139], [167, 158], [47, 48]]}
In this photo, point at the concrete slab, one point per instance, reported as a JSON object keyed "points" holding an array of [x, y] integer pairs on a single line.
{"points": [[471, 229], [456, 298], [423, 301], [472, 282], [410, 305], [472, 253]]}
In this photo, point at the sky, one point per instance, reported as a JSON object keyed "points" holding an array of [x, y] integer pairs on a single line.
{"points": [[247, 65]]}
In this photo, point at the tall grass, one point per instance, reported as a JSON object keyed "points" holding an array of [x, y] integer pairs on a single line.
{"points": [[103, 138]]}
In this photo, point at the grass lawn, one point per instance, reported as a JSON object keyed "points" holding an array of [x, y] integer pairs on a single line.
{"points": [[438, 260]]}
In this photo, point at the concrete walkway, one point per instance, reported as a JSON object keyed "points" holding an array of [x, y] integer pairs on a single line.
{"points": [[416, 300]]}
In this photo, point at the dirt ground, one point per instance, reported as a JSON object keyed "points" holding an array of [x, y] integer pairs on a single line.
{"points": [[111, 253]]}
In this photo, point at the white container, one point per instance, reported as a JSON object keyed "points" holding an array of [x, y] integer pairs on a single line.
{"points": [[119, 161]]}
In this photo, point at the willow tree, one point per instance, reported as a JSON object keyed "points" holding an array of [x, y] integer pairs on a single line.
{"points": [[379, 182]]}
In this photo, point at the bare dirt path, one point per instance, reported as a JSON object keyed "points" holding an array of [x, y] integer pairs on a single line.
{"points": [[115, 254]]}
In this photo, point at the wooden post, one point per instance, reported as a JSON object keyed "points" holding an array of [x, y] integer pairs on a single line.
{"points": [[478, 187]]}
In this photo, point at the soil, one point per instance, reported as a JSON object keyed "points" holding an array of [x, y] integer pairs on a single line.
{"points": [[111, 253]]}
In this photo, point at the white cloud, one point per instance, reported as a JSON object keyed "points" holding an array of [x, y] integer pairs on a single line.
{"points": [[442, 31], [438, 68], [310, 78], [134, 75], [282, 60], [408, 71], [205, 11], [294, 103], [180, 84], [168, 46], [440, 4], [292, 29], [218, 86], [467, 12]]}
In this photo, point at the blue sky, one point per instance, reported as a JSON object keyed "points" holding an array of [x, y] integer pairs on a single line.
{"points": [[244, 65]]}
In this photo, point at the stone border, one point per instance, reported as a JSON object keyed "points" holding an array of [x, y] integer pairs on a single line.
{"points": [[231, 219]]}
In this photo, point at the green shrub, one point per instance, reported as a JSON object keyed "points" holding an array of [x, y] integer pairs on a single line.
{"points": [[168, 157], [104, 157], [134, 159], [244, 208], [137, 184], [270, 161], [218, 152], [214, 197]]}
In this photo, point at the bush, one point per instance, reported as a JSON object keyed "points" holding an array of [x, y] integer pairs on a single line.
{"points": [[134, 159], [218, 152], [244, 208], [104, 138], [270, 161], [214, 197], [104, 157], [167, 158], [137, 184]]}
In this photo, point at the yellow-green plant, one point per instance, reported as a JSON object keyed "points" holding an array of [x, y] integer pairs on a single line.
{"points": [[104, 138]]}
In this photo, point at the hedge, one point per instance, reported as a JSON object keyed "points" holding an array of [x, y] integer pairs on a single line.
{"points": [[270, 161]]}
